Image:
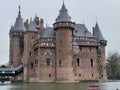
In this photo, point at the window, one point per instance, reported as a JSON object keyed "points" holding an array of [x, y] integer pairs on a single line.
{"points": [[31, 65], [80, 48], [72, 63], [47, 61], [102, 75], [36, 61], [60, 64], [92, 75], [49, 75], [60, 41], [78, 62], [30, 54], [79, 74], [91, 62], [46, 44], [90, 49], [48, 51], [100, 67]]}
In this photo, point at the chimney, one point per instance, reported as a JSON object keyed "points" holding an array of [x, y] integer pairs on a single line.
{"points": [[26, 24], [93, 31], [41, 24]]}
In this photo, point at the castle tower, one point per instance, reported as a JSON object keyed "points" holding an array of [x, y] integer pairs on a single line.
{"points": [[64, 30], [16, 41], [29, 38], [101, 52]]}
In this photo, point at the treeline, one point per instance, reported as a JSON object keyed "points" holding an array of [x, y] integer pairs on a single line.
{"points": [[113, 65], [5, 65]]}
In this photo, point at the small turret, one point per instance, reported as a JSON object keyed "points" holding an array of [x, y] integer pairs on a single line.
{"points": [[100, 52], [98, 35], [32, 26]]}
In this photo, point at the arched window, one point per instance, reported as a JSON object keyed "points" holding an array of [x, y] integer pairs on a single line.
{"points": [[91, 62]]}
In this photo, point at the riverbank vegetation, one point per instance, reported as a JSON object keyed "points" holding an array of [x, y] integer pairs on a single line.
{"points": [[113, 65], [5, 65]]}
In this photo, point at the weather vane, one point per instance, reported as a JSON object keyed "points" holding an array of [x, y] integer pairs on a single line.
{"points": [[19, 9]]}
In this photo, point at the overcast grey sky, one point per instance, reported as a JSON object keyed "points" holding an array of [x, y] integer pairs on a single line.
{"points": [[106, 11]]}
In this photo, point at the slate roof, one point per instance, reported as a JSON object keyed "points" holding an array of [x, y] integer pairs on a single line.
{"points": [[19, 25], [48, 32], [97, 33], [81, 30], [63, 15], [11, 69], [32, 26], [12, 27]]}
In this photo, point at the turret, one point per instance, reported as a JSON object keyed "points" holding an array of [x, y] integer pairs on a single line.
{"points": [[98, 35], [64, 31], [30, 37], [16, 41], [101, 52]]}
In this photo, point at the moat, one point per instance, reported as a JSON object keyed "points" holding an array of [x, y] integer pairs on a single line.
{"points": [[59, 86]]}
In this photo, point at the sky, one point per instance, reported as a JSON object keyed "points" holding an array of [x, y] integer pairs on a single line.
{"points": [[105, 12]]}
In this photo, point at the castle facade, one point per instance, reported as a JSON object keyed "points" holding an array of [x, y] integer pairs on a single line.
{"points": [[65, 52]]}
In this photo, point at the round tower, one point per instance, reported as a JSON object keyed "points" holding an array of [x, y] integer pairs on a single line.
{"points": [[16, 41], [102, 43], [64, 31], [30, 37]]}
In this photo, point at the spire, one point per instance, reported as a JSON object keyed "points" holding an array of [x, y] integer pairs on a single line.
{"points": [[36, 19], [63, 15], [19, 10], [63, 6], [97, 33], [19, 25]]}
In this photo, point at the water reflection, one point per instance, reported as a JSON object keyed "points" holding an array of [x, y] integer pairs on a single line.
{"points": [[59, 86]]}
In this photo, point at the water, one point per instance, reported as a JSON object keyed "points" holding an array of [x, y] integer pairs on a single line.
{"points": [[58, 86]]}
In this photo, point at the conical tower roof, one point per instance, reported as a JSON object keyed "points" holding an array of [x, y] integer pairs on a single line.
{"points": [[19, 25], [32, 26], [63, 15], [97, 33]]}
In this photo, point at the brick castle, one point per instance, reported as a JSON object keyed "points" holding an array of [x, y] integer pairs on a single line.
{"points": [[65, 52]]}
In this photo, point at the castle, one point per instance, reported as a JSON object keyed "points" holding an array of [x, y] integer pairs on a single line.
{"points": [[65, 52]]}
